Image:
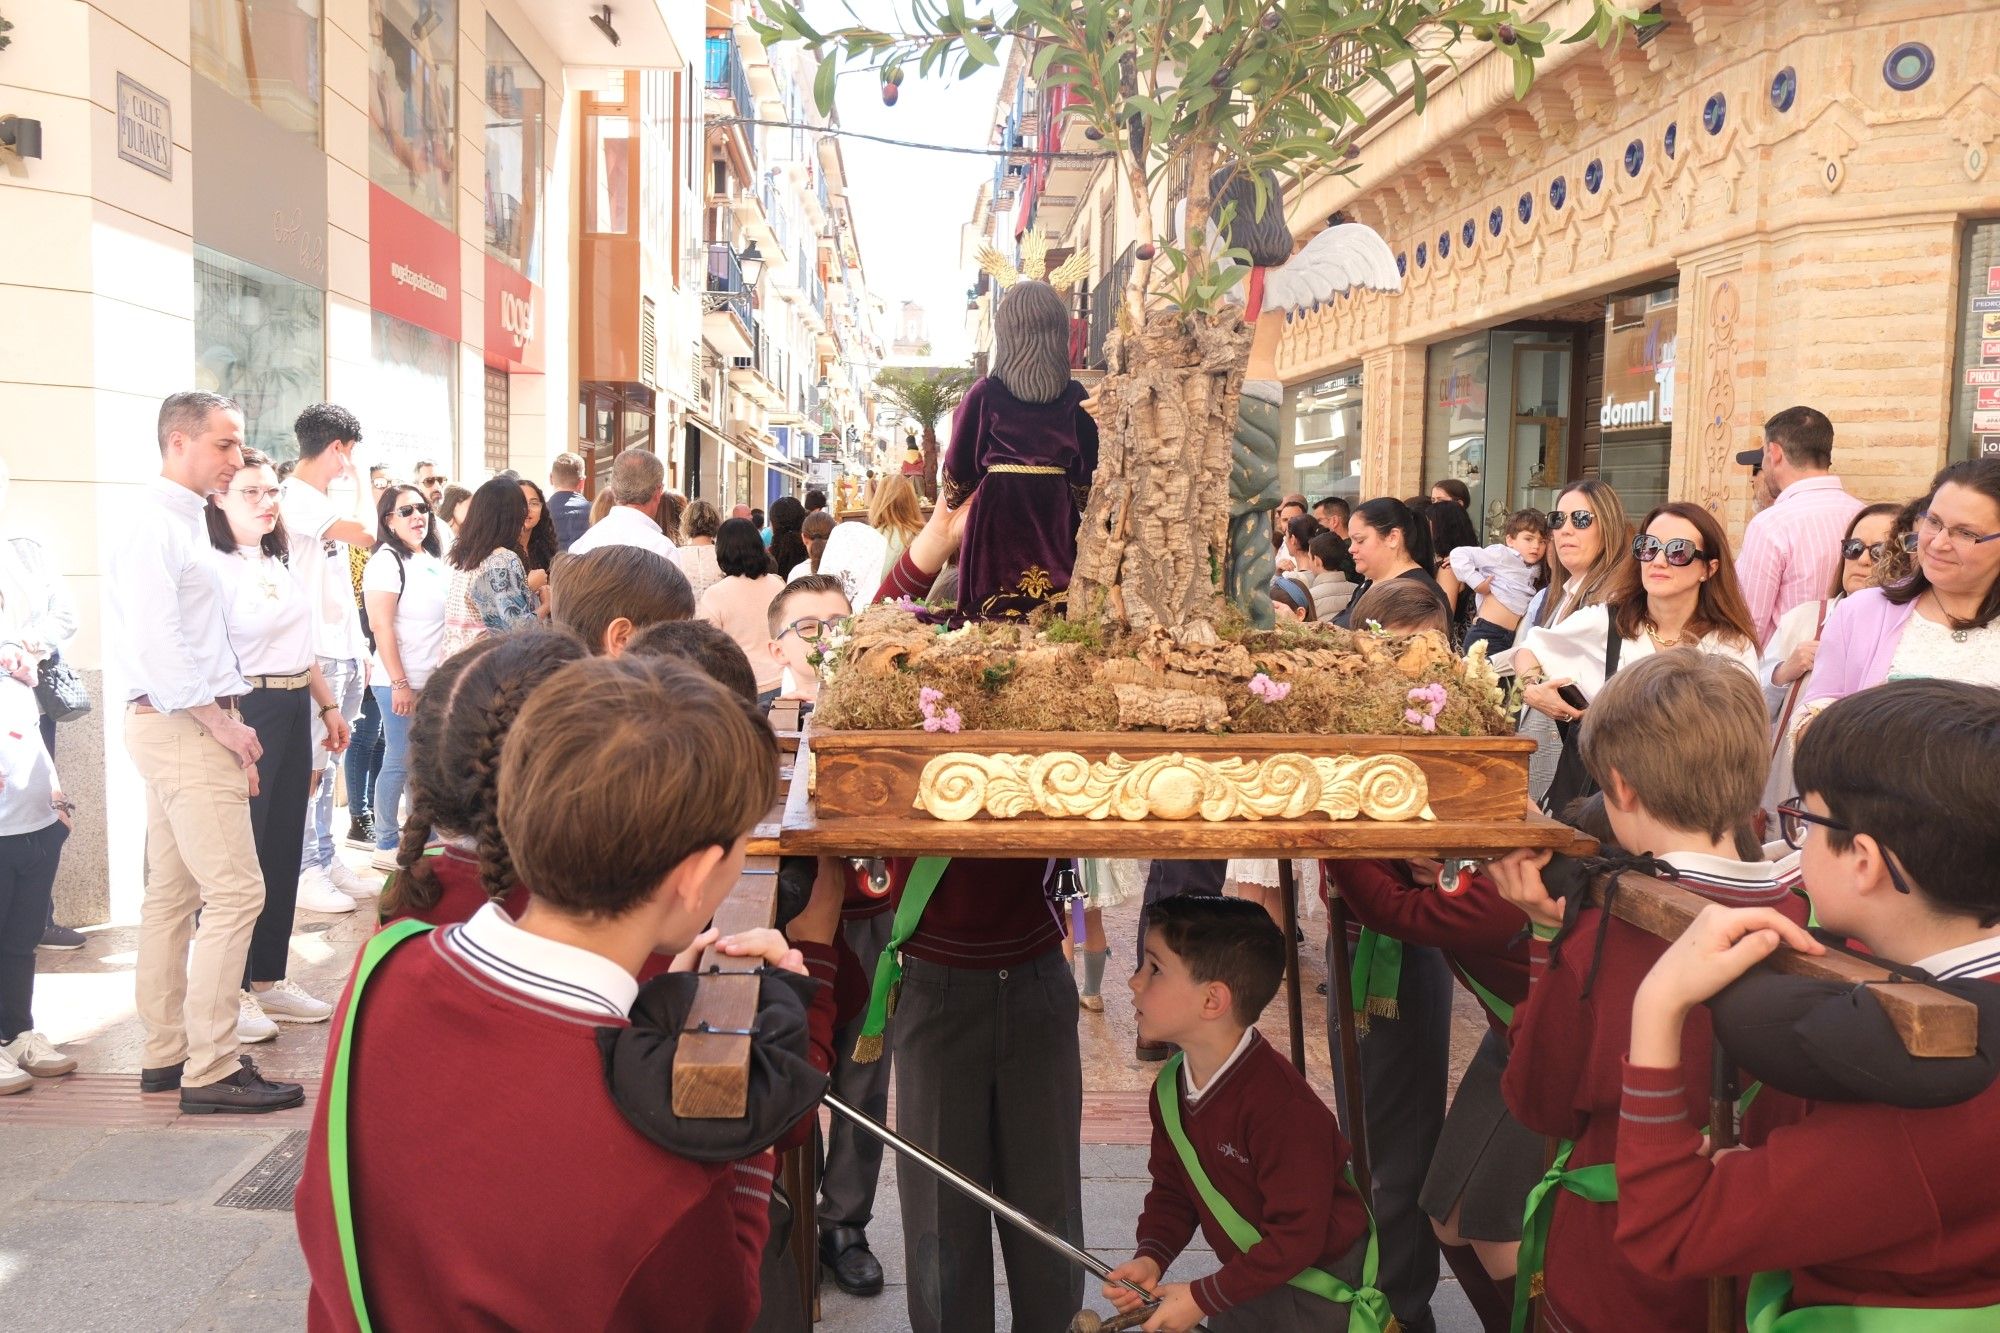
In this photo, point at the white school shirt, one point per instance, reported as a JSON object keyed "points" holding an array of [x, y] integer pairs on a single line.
{"points": [[270, 625], [320, 564], [420, 587], [165, 637], [1574, 649]]}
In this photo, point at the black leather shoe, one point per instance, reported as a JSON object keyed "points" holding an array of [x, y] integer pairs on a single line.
{"points": [[165, 1078], [856, 1271], [245, 1092]]}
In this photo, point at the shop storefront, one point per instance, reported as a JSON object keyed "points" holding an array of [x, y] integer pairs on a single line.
{"points": [[1635, 417], [1321, 433], [259, 213], [515, 189], [1975, 399], [409, 398]]}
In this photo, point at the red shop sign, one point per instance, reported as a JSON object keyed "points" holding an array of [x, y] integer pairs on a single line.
{"points": [[513, 319], [412, 266]]}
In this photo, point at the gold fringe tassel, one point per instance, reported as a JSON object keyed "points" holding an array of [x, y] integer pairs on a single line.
{"points": [[867, 1050], [1383, 1006]]}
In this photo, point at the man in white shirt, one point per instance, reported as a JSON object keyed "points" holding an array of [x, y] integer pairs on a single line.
{"points": [[321, 534], [169, 652], [639, 484]]}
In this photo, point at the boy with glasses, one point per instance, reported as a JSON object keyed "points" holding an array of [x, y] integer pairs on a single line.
{"points": [[1863, 1216], [1678, 743], [806, 611]]}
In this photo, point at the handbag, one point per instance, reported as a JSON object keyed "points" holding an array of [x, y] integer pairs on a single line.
{"points": [[59, 690], [1572, 780]]}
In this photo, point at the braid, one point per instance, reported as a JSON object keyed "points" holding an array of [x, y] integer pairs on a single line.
{"points": [[413, 887], [482, 788]]}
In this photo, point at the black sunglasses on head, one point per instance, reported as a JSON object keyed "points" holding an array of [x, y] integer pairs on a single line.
{"points": [[1576, 518], [1680, 552], [404, 511]]}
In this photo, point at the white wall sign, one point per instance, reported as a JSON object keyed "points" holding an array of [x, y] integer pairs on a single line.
{"points": [[145, 128]]}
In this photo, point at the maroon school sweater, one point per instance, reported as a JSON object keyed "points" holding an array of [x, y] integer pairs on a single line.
{"points": [[985, 914], [496, 1186], [1865, 1204], [1565, 1079], [1270, 1147], [1481, 933], [461, 893]]}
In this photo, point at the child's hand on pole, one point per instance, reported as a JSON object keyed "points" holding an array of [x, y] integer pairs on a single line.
{"points": [[1177, 1311], [1144, 1272], [1518, 876]]}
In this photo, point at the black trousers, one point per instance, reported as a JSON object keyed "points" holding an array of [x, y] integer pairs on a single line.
{"points": [[1405, 1063], [27, 881], [1170, 879], [854, 1159], [282, 720]]}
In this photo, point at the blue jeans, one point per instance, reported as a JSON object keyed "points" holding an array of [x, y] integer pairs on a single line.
{"points": [[395, 771], [343, 677], [364, 759]]}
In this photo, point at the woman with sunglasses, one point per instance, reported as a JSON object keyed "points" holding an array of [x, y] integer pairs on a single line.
{"points": [[1677, 589], [1388, 540], [1938, 622], [1788, 658], [404, 591]]}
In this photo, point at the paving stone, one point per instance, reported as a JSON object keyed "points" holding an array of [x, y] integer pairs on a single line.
{"points": [[276, 1270], [157, 1166], [249, 1316], [132, 1270], [36, 1154]]}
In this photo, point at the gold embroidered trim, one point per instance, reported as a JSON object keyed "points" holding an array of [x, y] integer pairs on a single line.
{"points": [[1064, 785], [1028, 470]]}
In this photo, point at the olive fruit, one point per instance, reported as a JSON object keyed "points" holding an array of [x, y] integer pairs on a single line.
{"points": [[1092, 133], [890, 93], [1505, 32], [1144, 254]]}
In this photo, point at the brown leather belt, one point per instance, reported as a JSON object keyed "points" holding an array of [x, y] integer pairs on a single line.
{"points": [[142, 704]]}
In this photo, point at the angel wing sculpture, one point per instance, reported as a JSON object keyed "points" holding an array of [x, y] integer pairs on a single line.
{"points": [[1344, 256]]}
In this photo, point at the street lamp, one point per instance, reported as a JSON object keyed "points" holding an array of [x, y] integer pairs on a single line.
{"points": [[752, 263]]}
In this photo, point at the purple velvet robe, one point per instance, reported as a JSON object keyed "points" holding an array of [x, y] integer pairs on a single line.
{"points": [[1020, 539]]}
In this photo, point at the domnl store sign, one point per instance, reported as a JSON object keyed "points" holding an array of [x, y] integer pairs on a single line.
{"points": [[513, 319], [413, 266]]}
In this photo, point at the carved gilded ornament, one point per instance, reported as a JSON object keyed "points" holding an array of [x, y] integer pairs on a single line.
{"points": [[1064, 785]]}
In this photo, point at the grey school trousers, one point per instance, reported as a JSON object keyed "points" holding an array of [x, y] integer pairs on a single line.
{"points": [[1405, 1063], [854, 1159], [988, 1078]]}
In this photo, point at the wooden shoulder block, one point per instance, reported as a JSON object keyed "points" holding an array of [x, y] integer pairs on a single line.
{"points": [[712, 1070], [1931, 1022]]}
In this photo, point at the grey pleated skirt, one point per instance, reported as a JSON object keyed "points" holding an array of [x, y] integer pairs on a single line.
{"points": [[1486, 1160]]}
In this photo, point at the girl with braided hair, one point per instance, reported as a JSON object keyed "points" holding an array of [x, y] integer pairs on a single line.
{"points": [[462, 717]]}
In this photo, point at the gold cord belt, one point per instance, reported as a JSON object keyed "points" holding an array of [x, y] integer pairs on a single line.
{"points": [[1029, 470]]}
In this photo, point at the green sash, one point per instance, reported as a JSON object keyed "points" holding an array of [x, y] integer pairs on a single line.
{"points": [[1594, 1184], [917, 891], [1377, 975], [372, 954], [1766, 1313], [1368, 1308], [1496, 1006]]}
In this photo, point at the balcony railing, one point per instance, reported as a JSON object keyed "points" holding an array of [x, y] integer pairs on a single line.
{"points": [[724, 76], [725, 287], [1104, 306]]}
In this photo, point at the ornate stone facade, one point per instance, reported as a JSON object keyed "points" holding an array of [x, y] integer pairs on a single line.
{"points": [[1805, 171]]}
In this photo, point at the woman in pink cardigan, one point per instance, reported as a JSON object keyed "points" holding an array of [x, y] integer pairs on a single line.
{"points": [[1941, 621]]}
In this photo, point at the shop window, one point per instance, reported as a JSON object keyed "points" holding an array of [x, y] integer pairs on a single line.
{"points": [[1455, 414], [497, 397], [266, 54], [1322, 438], [1635, 413], [409, 400], [1975, 398], [260, 339], [1498, 416], [609, 201], [515, 101], [413, 101]]}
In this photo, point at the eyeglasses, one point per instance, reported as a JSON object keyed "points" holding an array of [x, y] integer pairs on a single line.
{"points": [[1793, 819], [404, 511], [810, 628], [1853, 547], [1680, 552], [1959, 536], [1577, 518], [257, 494]]}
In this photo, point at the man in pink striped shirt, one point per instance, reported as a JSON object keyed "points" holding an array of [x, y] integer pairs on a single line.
{"points": [[1792, 547]]}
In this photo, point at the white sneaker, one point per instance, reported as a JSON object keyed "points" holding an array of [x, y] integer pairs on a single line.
{"points": [[287, 1002], [317, 894], [13, 1078], [36, 1054], [385, 861], [251, 1024], [349, 883]]}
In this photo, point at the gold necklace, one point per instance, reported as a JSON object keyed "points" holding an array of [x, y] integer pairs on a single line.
{"points": [[1653, 633]]}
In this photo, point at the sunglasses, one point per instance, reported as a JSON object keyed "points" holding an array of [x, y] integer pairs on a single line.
{"points": [[1853, 548], [1794, 819], [1576, 518], [1680, 552], [404, 511]]}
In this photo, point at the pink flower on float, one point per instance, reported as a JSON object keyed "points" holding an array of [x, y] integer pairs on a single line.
{"points": [[928, 698], [950, 721], [1413, 717], [1270, 691]]}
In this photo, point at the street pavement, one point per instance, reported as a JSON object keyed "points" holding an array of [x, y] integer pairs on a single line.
{"points": [[109, 1213]]}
